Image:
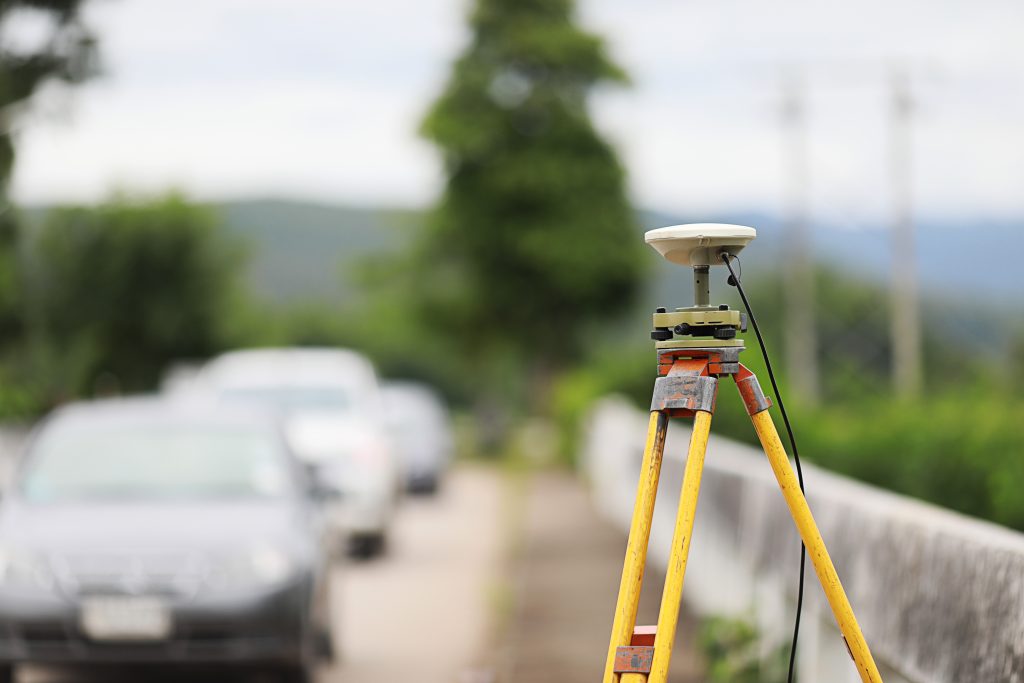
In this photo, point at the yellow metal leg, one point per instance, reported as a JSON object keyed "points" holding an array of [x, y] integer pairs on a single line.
{"points": [[636, 548], [668, 617], [816, 550]]}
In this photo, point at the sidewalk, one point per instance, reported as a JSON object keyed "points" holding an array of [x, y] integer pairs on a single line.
{"points": [[566, 576]]}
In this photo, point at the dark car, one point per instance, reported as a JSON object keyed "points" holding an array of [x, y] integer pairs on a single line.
{"points": [[144, 531]]}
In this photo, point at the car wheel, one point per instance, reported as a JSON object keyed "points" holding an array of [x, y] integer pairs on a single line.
{"points": [[357, 547], [368, 546]]}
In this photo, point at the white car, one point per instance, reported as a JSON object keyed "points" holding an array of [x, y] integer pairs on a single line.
{"points": [[421, 427], [335, 424]]}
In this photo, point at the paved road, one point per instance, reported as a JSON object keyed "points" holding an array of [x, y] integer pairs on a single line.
{"points": [[423, 612], [420, 613], [566, 576]]}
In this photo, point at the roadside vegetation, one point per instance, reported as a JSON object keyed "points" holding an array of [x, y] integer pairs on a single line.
{"points": [[734, 652]]}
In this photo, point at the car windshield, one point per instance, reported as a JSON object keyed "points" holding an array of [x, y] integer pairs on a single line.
{"points": [[293, 399], [154, 463]]}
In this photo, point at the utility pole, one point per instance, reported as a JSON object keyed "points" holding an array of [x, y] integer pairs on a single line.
{"points": [[905, 314], [801, 336]]}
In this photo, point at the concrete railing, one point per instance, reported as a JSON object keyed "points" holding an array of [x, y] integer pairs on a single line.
{"points": [[939, 596]]}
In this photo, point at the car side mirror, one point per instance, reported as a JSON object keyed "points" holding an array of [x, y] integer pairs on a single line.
{"points": [[322, 492]]}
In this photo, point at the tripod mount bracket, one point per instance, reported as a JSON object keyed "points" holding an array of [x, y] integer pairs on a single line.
{"points": [[685, 392], [718, 360]]}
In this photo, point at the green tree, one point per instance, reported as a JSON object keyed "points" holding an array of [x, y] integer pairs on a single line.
{"points": [[533, 239], [122, 289], [64, 51]]}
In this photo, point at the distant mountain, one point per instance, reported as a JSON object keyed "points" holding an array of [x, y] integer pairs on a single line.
{"points": [[305, 251]]}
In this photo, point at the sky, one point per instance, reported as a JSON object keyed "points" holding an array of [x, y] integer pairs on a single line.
{"points": [[321, 99]]}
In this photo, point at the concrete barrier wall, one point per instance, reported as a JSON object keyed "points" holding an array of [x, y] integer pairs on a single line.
{"points": [[940, 596]]}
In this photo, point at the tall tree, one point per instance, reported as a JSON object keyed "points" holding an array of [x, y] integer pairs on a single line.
{"points": [[533, 239], [64, 50]]}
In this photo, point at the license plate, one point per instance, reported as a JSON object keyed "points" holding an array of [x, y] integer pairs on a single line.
{"points": [[125, 618]]}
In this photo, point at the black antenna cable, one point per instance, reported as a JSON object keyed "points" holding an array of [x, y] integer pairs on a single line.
{"points": [[734, 280]]}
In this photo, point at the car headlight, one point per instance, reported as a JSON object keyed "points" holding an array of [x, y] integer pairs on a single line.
{"points": [[260, 565], [21, 568]]}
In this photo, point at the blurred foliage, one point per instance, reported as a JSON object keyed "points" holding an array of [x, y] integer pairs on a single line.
{"points": [[116, 292], [1015, 372], [66, 52], [960, 445], [628, 370], [11, 315], [733, 653], [961, 449], [533, 236]]}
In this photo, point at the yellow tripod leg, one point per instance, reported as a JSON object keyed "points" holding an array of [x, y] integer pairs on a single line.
{"points": [[668, 617], [816, 550], [636, 547]]}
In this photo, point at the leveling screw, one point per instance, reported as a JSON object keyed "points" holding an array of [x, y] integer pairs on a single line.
{"points": [[661, 333]]}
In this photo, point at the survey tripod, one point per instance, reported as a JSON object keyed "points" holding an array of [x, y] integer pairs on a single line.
{"points": [[697, 347]]}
